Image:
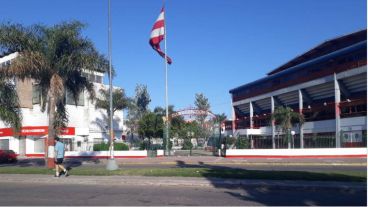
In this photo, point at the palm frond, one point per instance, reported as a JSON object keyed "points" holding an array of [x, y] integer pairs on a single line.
{"points": [[10, 112]]}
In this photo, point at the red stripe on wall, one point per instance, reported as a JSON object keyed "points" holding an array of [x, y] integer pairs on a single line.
{"points": [[35, 155]]}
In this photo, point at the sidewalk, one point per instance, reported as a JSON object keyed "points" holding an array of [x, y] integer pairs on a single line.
{"points": [[212, 160], [179, 181], [208, 160]]}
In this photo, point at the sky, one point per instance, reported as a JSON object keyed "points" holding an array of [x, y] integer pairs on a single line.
{"points": [[215, 45]]}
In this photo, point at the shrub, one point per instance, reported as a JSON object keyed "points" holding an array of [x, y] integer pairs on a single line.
{"points": [[242, 143], [187, 145], [105, 147]]}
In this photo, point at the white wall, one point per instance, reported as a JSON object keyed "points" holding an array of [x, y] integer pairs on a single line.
{"points": [[297, 152]]}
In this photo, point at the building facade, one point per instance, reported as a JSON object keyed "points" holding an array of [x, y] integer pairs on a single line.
{"points": [[327, 85], [87, 125]]}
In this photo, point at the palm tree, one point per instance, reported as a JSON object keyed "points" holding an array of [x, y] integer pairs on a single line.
{"points": [[219, 119], [10, 112], [119, 101], [285, 117], [55, 58]]}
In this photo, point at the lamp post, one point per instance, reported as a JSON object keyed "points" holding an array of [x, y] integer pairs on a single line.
{"points": [[292, 137], [111, 163]]}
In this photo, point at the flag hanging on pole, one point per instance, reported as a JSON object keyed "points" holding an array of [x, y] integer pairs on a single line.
{"points": [[158, 34]]}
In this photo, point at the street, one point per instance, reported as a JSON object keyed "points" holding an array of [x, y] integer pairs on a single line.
{"points": [[65, 193], [120, 190]]}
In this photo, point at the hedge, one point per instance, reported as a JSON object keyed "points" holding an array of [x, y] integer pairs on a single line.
{"points": [[106, 147]]}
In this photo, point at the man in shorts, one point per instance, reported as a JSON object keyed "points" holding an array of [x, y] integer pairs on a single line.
{"points": [[59, 157]]}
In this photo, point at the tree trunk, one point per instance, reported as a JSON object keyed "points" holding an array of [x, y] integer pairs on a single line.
{"points": [[49, 151], [288, 135]]}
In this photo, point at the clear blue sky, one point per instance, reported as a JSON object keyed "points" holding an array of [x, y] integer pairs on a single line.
{"points": [[216, 45]]}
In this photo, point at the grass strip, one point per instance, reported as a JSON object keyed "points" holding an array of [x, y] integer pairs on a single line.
{"points": [[348, 176]]}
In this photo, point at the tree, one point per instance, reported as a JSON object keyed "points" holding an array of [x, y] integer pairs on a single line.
{"points": [[119, 101], [285, 117], [219, 119], [151, 125], [10, 112], [55, 57], [137, 108], [142, 99], [201, 103]]}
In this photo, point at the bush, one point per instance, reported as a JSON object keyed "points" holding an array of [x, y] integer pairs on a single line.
{"points": [[242, 143], [187, 145], [105, 147]]}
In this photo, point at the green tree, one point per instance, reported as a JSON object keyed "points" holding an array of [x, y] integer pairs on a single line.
{"points": [[151, 125], [220, 118], [137, 108], [10, 112], [55, 57], [202, 103], [142, 99], [285, 117], [119, 101]]}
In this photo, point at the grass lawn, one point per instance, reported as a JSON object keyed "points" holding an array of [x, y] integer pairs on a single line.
{"points": [[355, 176]]}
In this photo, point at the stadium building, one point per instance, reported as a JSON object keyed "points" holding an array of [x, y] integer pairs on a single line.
{"points": [[87, 125], [327, 84]]}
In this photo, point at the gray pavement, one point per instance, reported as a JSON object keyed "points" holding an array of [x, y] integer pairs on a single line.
{"points": [[212, 160], [104, 192], [180, 181]]}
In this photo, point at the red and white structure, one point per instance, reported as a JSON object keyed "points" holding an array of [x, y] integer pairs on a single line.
{"points": [[327, 84]]}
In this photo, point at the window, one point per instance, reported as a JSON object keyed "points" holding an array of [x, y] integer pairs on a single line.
{"points": [[39, 145], [98, 79], [71, 101], [36, 94], [91, 77], [4, 144]]}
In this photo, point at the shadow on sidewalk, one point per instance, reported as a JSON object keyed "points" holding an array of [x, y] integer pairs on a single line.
{"points": [[280, 194]]}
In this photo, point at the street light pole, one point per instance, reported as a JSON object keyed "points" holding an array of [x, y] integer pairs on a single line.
{"points": [[111, 163]]}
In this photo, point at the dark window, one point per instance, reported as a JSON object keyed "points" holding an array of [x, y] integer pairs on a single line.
{"points": [[71, 101], [36, 94]]}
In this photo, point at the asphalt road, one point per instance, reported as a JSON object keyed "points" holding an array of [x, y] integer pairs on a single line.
{"points": [[93, 195]]}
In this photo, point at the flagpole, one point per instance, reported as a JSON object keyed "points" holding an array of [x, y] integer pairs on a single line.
{"points": [[111, 163], [166, 90]]}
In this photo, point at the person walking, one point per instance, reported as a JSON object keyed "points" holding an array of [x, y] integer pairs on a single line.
{"points": [[59, 158]]}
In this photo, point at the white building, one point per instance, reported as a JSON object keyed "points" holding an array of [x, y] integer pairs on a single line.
{"points": [[87, 125]]}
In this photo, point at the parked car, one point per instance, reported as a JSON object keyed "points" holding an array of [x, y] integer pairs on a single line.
{"points": [[8, 156]]}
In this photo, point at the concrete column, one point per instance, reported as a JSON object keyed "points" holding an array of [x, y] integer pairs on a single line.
{"points": [[251, 114], [301, 126], [337, 111], [234, 119], [251, 123], [273, 123]]}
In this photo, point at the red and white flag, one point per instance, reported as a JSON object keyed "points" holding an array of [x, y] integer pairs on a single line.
{"points": [[158, 34]]}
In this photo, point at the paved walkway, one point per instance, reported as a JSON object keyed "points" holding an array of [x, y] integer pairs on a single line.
{"points": [[208, 160], [212, 160]]}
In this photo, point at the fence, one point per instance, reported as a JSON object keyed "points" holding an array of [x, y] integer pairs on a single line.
{"points": [[310, 141]]}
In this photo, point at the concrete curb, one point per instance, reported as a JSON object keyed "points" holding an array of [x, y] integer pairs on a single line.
{"points": [[182, 182], [253, 163]]}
